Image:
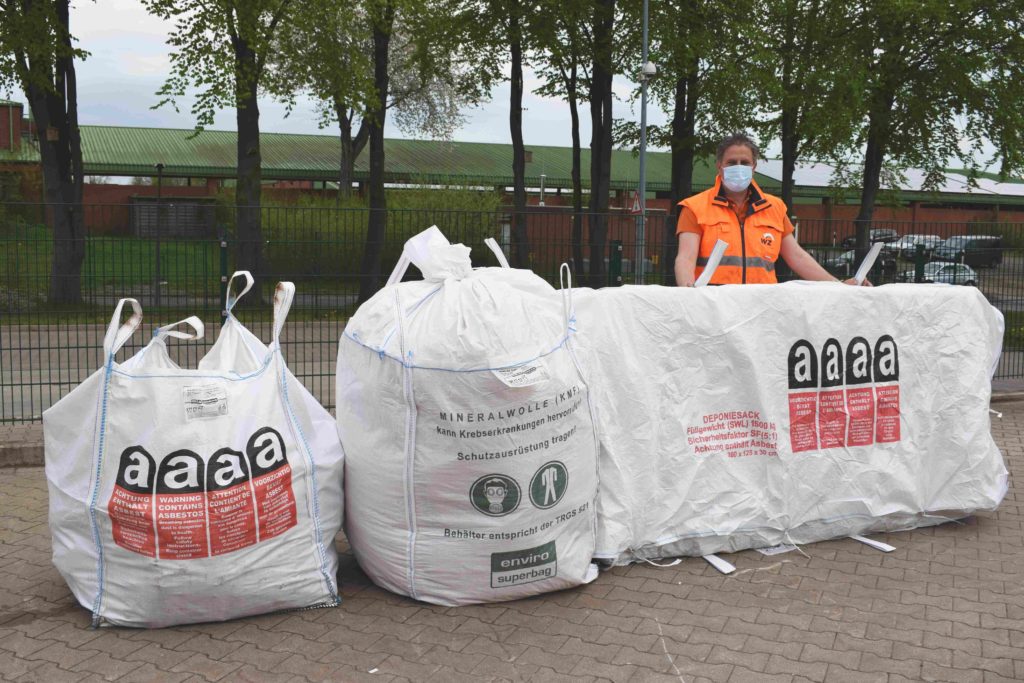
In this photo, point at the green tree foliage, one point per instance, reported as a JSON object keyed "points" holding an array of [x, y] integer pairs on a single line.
{"points": [[221, 49], [327, 53], [805, 80], [37, 55], [935, 80]]}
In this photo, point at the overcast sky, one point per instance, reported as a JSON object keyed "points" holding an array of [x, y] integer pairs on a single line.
{"points": [[129, 62]]}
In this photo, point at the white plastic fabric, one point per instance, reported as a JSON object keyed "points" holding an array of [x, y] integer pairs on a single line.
{"points": [[717, 436], [181, 495], [471, 456]]}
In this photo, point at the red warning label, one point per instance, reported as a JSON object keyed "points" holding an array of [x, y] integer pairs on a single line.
{"points": [[181, 526], [887, 425], [832, 418], [803, 421], [229, 502], [275, 502], [860, 405], [131, 519]]}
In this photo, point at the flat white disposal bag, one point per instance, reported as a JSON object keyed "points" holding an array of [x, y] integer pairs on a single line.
{"points": [[470, 447], [749, 416], [181, 495]]}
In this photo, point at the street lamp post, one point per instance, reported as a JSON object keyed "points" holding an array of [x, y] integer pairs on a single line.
{"points": [[647, 71]]}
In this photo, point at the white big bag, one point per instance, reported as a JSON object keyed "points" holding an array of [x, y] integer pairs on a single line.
{"points": [[471, 455], [749, 416], [181, 495]]}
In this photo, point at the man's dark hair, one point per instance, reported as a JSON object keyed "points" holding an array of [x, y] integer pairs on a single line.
{"points": [[734, 140]]}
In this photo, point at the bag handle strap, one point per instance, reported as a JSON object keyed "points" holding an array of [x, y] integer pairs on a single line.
{"points": [[231, 299], [492, 244], [565, 282], [198, 330], [399, 272], [284, 294], [118, 334]]}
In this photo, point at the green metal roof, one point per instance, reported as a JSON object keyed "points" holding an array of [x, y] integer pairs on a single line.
{"points": [[129, 151], [125, 151]]}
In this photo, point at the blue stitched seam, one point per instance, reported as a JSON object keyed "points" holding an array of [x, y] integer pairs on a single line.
{"points": [[237, 378], [95, 494], [412, 310], [312, 472], [383, 354]]}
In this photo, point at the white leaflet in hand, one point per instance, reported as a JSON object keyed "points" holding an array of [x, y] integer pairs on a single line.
{"points": [[868, 262], [709, 269]]}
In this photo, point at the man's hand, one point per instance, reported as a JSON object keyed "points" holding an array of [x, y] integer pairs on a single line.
{"points": [[853, 281]]}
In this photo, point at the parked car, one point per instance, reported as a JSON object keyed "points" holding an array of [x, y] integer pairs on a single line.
{"points": [[906, 246], [843, 264], [942, 271], [876, 235], [974, 250]]}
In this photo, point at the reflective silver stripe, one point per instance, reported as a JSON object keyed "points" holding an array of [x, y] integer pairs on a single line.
{"points": [[752, 262]]}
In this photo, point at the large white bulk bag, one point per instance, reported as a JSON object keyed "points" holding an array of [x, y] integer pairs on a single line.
{"points": [[470, 449], [182, 495], [749, 416]]}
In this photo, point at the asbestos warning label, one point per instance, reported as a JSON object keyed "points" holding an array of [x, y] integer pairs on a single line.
{"points": [[184, 508]]}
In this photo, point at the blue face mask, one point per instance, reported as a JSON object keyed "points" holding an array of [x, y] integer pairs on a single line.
{"points": [[737, 178]]}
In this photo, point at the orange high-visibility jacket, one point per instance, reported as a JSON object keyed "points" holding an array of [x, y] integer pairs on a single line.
{"points": [[754, 241]]}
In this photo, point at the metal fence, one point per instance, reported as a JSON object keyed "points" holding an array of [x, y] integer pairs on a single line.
{"points": [[46, 349]]}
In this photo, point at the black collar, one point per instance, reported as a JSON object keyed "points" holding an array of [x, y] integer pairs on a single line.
{"points": [[755, 200]]}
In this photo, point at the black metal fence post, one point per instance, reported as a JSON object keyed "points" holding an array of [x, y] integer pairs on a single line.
{"points": [[223, 236], [158, 277], [919, 261], [615, 263]]}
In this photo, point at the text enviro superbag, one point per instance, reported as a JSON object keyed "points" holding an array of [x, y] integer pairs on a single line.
{"points": [[181, 495]]}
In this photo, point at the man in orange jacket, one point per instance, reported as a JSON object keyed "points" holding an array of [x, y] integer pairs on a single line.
{"points": [[754, 224]]}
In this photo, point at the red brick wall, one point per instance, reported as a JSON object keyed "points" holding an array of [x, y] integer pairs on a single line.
{"points": [[10, 116]]}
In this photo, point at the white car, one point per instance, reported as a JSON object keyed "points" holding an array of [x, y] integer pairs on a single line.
{"points": [[941, 271]]}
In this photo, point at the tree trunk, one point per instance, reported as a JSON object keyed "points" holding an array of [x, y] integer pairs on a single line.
{"points": [[56, 115], [520, 241], [346, 161], [248, 191], [576, 237], [789, 113], [377, 224], [600, 137], [684, 121], [874, 156], [350, 148]]}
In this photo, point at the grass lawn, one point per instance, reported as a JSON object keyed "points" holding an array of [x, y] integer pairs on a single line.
{"points": [[194, 267]]}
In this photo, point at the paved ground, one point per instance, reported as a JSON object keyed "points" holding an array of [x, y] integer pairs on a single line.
{"points": [[948, 605]]}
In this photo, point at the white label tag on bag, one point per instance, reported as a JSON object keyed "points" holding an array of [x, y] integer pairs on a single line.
{"points": [[205, 400], [523, 375], [776, 549]]}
